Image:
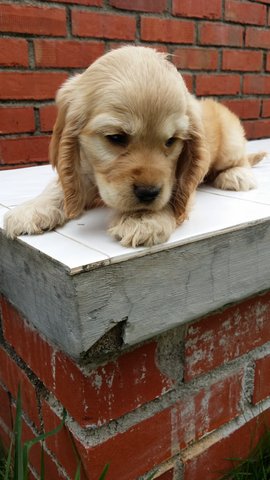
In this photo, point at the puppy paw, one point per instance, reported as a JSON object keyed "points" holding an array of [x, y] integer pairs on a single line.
{"points": [[145, 229], [32, 219], [237, 178]]}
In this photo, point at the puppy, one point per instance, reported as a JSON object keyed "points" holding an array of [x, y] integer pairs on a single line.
{"points": [[129, 131]]}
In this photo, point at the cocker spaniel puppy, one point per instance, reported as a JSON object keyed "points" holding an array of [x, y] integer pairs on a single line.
{"points": [[129, 131]]}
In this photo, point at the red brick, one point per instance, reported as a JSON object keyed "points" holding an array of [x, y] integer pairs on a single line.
{"points": [[257, 129], [216, 84], [103, 25], [216, 460], [224, 336], [115, 45], [28, 343], [32, 476], [157, 6], [256, 84], [149, 442], [66, 53], [261, 381], [34, 20], [28, 434], [212, 407], [93, 3], [188, 81], [218, 34], [257, 37], [5, 438], [195, 58], [244, 108], [145, 445], [24, 150], [30, 85], [47, 116], [17, 120], [201, 9], [60, 444], [5, 408], [159, 48], [51, 468], [13, 52], [112, 390], [266, 108], [135, 373], [169, 475], [11, 376], [167, 30], [268, 62], [245, 12], [245, 60]]}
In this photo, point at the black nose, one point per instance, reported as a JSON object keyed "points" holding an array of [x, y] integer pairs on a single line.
{"points": [[146, 193]]}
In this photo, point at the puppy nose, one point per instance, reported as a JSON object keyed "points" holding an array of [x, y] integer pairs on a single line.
{"points": [[146, 193]]}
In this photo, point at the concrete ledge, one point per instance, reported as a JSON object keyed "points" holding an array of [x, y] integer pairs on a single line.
{"points": [[124, 296]]}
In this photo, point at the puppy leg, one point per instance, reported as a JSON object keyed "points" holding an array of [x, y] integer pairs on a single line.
{"points": [[42, 213], [144, 229], [235, 178]]}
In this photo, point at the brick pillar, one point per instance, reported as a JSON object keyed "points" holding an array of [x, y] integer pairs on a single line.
{"points": [[180, 405]]}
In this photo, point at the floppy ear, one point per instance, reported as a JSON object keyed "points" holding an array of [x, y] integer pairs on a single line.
{"points": [[192, 166], [64, 148]]}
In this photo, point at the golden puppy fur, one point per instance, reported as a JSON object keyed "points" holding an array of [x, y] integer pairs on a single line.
{"points": [[129, 131]]}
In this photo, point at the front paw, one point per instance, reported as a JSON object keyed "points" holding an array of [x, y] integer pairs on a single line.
{"points": [[236, 179], [143, 229], [32, 219]]}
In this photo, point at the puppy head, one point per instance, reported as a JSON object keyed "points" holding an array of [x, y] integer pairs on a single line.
{"points": [[123, 122]]}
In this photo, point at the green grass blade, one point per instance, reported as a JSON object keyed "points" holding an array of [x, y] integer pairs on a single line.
{"points": [[151, 476], [104, 473], [28, 445], [18, 456], [8, 462], [256, 466], [42, 465], [78, 472], [77, 454], [43, 436], [25, 463]]}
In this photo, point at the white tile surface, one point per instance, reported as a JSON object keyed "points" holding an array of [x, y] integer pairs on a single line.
{"points": [[22, 184], [212, 214], [71, 253], [91, 230], [84, 241], [3, 210], [261, 172], [209, 215]]}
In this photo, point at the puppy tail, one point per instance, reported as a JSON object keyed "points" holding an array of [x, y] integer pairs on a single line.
{"points": [[254, 158]]}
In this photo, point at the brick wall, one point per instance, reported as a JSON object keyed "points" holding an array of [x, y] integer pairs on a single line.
{"points": [[221, 46], [180, 405]]}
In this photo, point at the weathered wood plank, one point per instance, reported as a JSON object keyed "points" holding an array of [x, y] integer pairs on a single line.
{"points": [[42, 291], [149, 294], [160, 291]]}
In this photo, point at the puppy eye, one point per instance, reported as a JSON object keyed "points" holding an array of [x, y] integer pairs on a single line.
{"points": [[120, 139], [170, 142]]}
